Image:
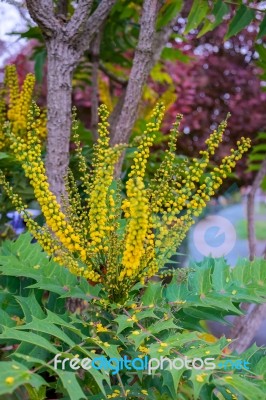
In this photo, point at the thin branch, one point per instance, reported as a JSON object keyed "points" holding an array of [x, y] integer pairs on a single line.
{"points": [[77, 23], [250, 210], [150, 46], [62, 8], [122, 127], [246, 327], [161, 38], [112, 76], [95, 53], [95, 20], [250, 324], [42, 12]]}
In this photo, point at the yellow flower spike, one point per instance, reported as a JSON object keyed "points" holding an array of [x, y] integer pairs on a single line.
{"points": [[11, 82], [106, 238], [18, 105]]}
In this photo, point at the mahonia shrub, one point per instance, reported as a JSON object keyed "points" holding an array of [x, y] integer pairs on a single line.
{"points": [[156, 322], [103, 235], [15, 103]]}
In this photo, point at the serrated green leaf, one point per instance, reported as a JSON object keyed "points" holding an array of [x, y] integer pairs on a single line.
{"points": [[28, 337], [152, 294], [123, 323], [71, 385], [17, 375], [158, 326], [199, 379], [220, 275], [5, 319], [171, 378], [31, 308], [248, 389], [242, 18], [45, 326]]}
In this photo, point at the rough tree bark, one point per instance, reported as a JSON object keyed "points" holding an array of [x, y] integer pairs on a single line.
{"points": [[66, 41], [138, 74], [147, 53], [246, 327]]}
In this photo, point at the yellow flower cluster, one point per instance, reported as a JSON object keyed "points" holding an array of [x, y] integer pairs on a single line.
{"points": [[18, 105], [104, 162], [137, 204], [28, 152], [2, 118], [103, 237]]}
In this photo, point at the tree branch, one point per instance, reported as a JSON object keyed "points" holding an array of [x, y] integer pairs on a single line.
{"points": [[95, 20], [150, 46], [112, 76], [42, 12], [62, 7], [95, 53], [250, 324], [246, 327], [122, 126], [79, 19]]}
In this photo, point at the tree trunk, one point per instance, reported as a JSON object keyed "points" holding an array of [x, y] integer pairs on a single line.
{"points": [[245, 327], [61, 64]]}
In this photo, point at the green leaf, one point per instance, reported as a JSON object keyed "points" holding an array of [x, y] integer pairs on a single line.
{"points": [[16, 375], [257, 157], [259, 147], [262, 30], [170, 53], [202, 279], [40, 60], [123, 323], [168, 12], [28, 337], [262, 136], [31, 308], [219, 11], [197, 13], [164, 325], [196, 377], [249, 390], [33, 32], [71, 385], [242, 18], [221, 275], [55, 319], [3, 155], [152, 294], [45, 326], [171, 379]]}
